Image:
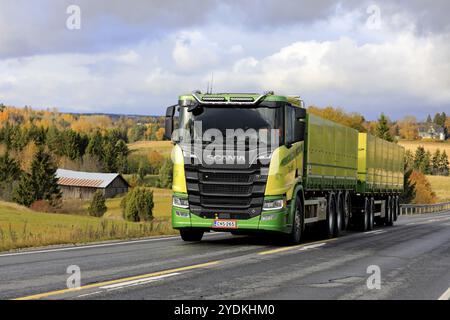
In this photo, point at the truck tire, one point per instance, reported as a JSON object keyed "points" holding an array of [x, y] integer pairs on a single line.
{"points": [[347, 211], [339, 221], [396, 208], [388, 220], [298, 224], [371, 215], [330, 223], [364, 221], [191, 235]]}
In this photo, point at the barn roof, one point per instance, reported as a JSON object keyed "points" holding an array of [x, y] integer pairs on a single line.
{"points": [[86, 179]]}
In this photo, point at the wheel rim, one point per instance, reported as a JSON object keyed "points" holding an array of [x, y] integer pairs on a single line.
{"points": [[331, 216], [346, 212]]}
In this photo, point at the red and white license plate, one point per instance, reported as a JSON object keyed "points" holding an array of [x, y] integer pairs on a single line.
{"points": [[225, 224]]}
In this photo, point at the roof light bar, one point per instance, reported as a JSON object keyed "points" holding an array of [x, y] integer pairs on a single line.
{"points": [[222, 100]]}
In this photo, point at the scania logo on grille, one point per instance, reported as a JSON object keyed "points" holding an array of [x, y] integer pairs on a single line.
{"points": [[225, 158]]}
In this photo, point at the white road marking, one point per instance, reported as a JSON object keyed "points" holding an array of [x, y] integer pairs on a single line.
{"points": [[139, 281], [112, 244], [445, 295], [375, 232], [312, 246], [89, 294]]}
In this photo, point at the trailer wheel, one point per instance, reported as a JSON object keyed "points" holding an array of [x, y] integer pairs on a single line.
{"points": [[396, 208], [298, 226], [347, 211], [370, 215], [329, 226], [339, 221], [364, 223], [389, 207], [191, 235]]}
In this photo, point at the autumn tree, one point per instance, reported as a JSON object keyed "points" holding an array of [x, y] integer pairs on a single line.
{"points": [[424, 193], [408, 128]]}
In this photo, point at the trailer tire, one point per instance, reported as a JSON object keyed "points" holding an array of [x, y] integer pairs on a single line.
{"points": [[298, 224], [371, 215], [389, 216], [339, 221], [329, 226], [191, 235], [347, 211], [364, 222], [396, 208]]}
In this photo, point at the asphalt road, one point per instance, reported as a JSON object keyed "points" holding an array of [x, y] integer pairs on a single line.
{"points": [[413, 258]]}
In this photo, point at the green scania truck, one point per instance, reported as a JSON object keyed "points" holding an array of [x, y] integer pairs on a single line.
{"points": [[310, 171]]}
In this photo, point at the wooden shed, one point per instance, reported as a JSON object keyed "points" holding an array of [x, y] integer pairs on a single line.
{"points": [[83, 185]]}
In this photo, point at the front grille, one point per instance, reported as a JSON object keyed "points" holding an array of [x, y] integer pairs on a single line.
{"points": [[225, 192], [235, 190], [225, 177]]}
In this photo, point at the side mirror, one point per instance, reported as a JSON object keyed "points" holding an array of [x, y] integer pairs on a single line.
{"points": [[300, 113], [168, 123], [299, 130]]}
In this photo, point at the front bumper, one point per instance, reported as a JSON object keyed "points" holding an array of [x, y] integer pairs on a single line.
{"points": [[278, 222]]}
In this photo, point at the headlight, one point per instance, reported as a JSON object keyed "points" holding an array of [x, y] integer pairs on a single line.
{"points": [[273, 204], [179, 202], [182, 214]]}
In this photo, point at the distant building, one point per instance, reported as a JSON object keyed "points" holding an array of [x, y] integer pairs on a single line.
{"points": [[83, 185], [431, 130]]}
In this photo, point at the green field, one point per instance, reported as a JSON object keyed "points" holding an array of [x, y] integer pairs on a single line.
{"points": [[21, 227]]}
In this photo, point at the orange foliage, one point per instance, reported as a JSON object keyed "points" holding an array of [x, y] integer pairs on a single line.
{"points": [[424, 194], [160, 134], [155, 158], [354, 120]]}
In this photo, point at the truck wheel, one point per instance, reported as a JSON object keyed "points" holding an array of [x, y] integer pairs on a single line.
{"points": [[364, 224], [329, 226], [191, 235], [298, 225], [371, 215], [396, 208], [347, 211], [339, 221], [388, 219]]}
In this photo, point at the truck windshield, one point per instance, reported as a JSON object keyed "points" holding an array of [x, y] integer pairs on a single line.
{"points": [[260, 119]]}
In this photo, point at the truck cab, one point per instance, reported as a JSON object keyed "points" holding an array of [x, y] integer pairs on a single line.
{"points": [[238, 162]]}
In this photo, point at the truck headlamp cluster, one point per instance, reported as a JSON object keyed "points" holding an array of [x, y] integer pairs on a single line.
{"points": [[273, 204], [180, 202]]}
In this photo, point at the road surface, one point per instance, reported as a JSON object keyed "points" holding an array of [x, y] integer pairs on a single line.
{"points": [[413, 258]]}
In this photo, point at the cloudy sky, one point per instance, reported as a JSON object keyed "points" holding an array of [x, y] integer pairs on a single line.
{"points": [[137, 56]]}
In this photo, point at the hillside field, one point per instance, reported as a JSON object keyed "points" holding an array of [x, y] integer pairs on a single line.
{"points": [[145, 147], [441, 186], [428, 145]]}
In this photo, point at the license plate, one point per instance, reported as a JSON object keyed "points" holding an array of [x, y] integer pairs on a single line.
{"points": [[225, 224]]}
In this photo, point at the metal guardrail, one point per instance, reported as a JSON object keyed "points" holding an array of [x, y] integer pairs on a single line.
{"points": [[406, 209]]}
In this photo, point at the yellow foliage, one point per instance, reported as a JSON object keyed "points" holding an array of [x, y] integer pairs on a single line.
{"points": [[424, 193]]}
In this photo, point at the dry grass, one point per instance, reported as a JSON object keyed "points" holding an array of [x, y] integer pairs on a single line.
{"points": [[21, 228], [440, 186], [144, 147], [428, 145]]}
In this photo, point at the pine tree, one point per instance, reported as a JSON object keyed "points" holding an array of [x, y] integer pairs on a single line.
{"points": [[435, 161], [138, 205], [419, 158], [2, 107], [444, 164], [166, 174], [426, 165], [95, 145], [409, 190], [9, 169], [97, 207], [409, 159], [429, 119], [40, 183], [382, 129], [121, 150]]}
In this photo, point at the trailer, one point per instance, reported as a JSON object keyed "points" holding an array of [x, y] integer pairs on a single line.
{"points": [[319, 172]]}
